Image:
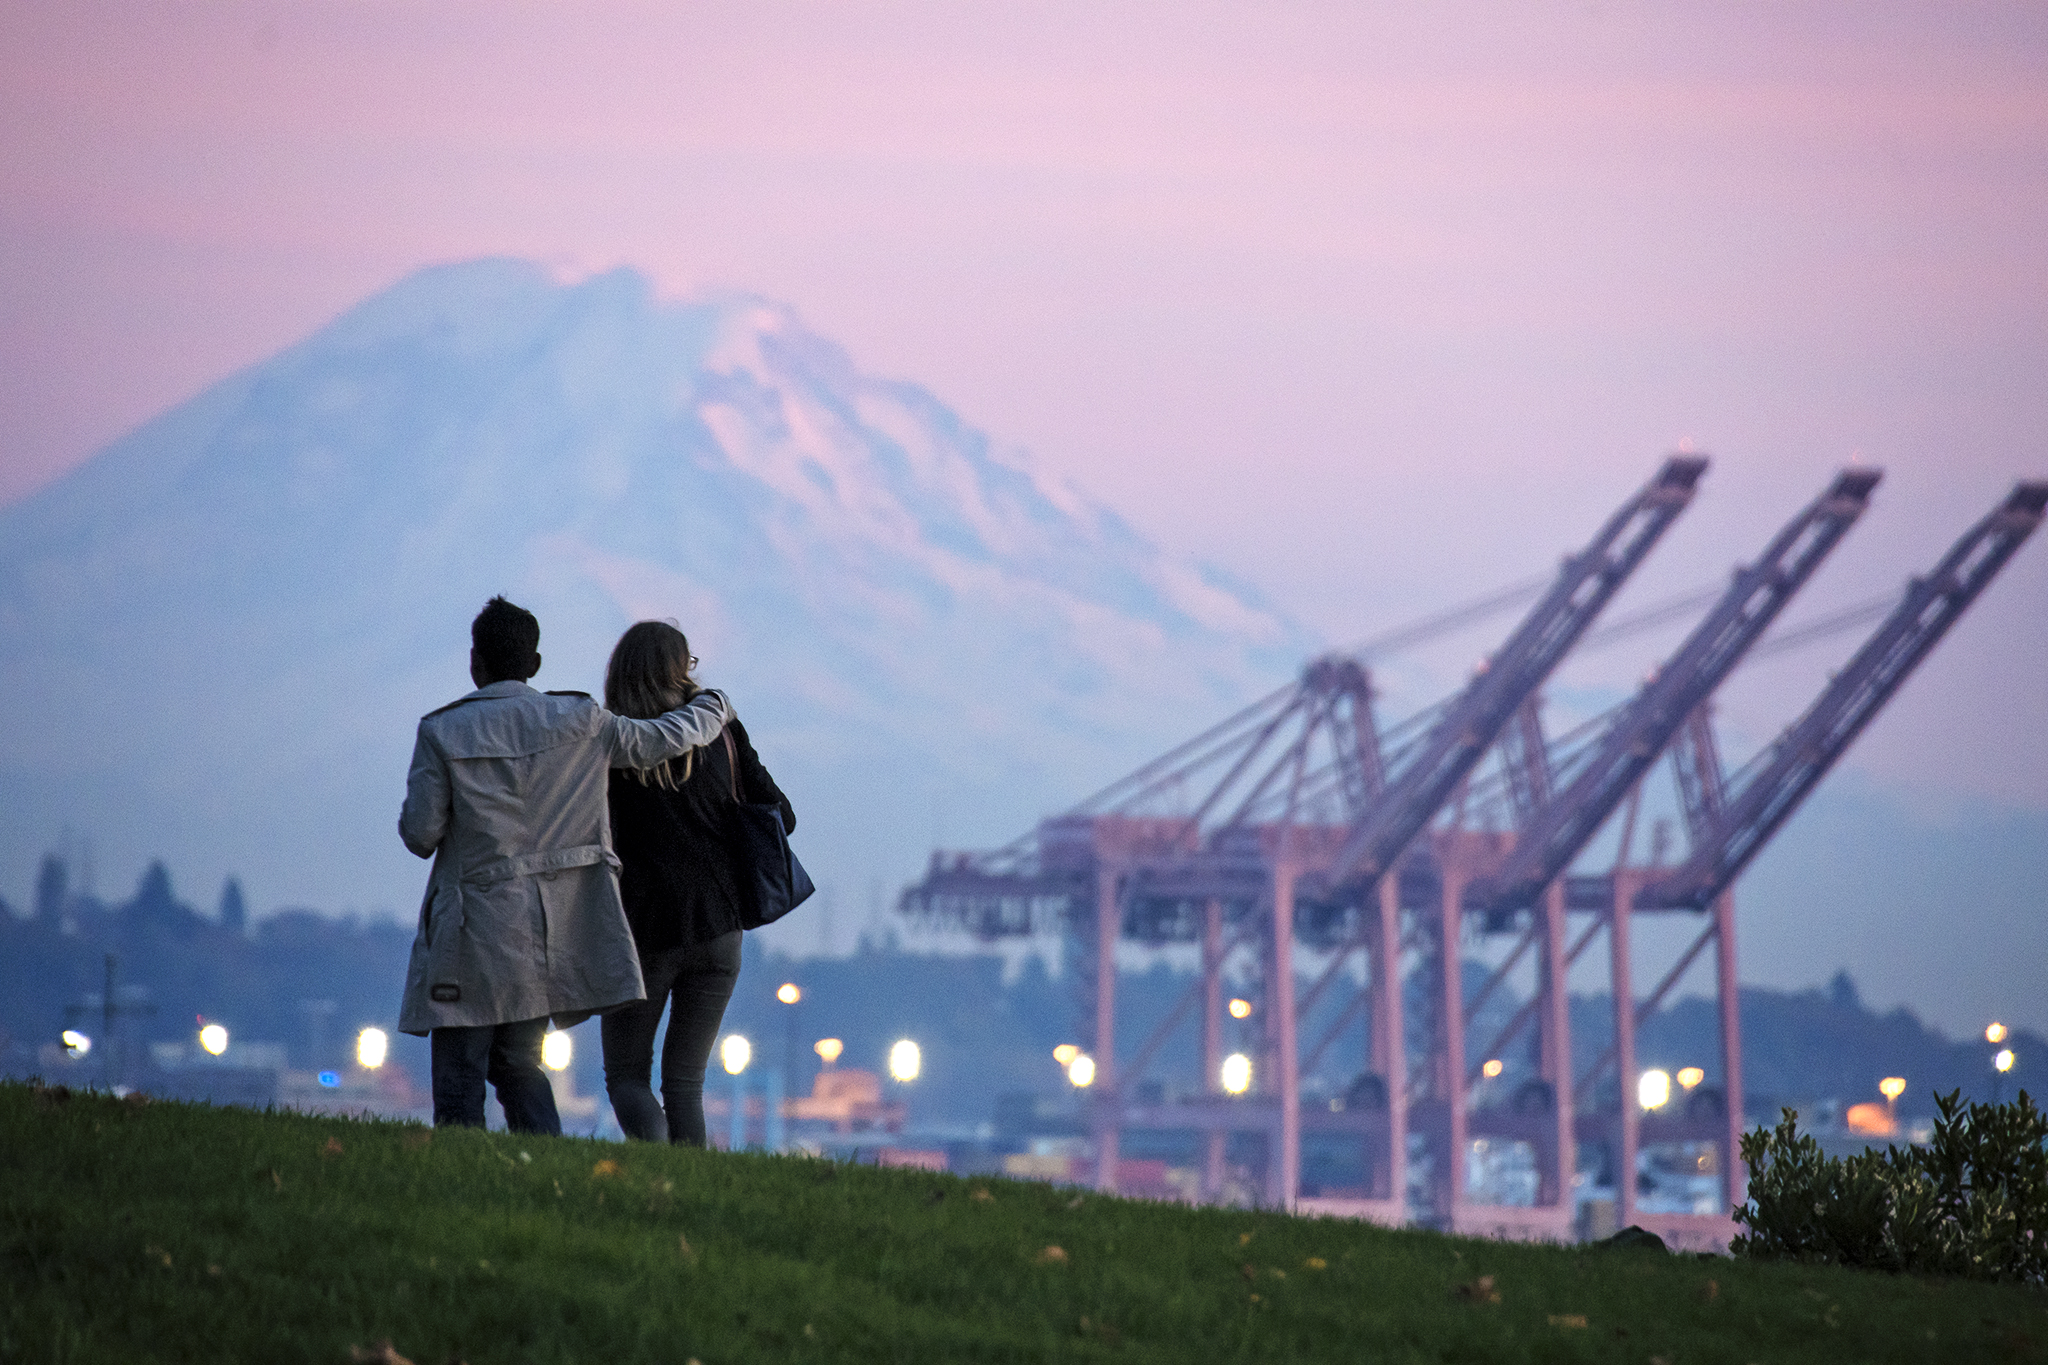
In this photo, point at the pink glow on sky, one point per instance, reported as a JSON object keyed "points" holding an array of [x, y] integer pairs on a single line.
{"points": [[1374, 305]]}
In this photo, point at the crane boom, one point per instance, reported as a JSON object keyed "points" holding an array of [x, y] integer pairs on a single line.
{"points": [[1805, 753], [1560, 831], [1472, 724]]}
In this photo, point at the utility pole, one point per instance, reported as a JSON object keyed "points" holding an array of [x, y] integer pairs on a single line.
{"points": [[111, 1011], [317, 1013]]}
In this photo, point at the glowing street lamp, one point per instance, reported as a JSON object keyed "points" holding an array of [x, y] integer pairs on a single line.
{"points": [[373, 1046], [76, 1044], [828, 1050], [1081, 1071], [734, 1054], [1653, 1089], [1237, 1073], [1065, 1053], [214, 1039], [1494, 1066], [1690, 1076], [1995, 1034], [1240, 1008], [2001, 1062], [789, 993], [905, 1061], [556, 1051]]}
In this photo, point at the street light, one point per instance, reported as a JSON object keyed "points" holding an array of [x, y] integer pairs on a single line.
{"points": [[734, 1054], [214, 1039], [1240, 1008], [789, 993], [905, 1061], [828, 1050], [2004, 1060], [1081, 1071], [1653, 1089], [1995, 1034], [76, 1044], [1237, 1073], [373, 1046], [1065, 1053], [1690, 1076], [1494, 1066], [556, 1050]]}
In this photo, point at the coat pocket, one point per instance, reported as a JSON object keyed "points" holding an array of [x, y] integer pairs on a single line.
{"points": [[445, 964]]}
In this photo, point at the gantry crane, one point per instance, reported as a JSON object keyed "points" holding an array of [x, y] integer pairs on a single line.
{"points": [[1384, 822], [1475, 875], [1292, 814], [1725, 833], [1225, 850], [1728, 831]]}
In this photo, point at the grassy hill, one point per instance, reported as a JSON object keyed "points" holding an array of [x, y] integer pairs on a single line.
{"points": [[165, 1232]]}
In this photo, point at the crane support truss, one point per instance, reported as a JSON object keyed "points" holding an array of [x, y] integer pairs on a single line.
{"points": [[1859, 691], [1552, 840], [1461, 738], [1300, 822]]}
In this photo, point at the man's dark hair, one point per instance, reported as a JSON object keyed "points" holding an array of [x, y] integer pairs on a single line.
{"points": [[507, 639]]}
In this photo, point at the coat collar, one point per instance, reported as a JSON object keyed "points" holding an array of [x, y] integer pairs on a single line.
{"points": [[508, 688]]}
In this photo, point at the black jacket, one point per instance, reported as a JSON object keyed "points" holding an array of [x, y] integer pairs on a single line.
{"points": [[676, 872]]}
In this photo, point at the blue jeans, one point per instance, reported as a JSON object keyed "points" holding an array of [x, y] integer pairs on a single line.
{"points": [[506, 1055], [695, 980]]}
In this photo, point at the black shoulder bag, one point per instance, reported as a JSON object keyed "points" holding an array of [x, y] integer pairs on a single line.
{"points": [[771, 881]]}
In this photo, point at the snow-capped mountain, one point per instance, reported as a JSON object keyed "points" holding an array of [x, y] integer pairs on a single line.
{"points": [[216, 635]]}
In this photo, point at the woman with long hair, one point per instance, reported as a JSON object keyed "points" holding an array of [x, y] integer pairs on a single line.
{"points": [[670, 830]]}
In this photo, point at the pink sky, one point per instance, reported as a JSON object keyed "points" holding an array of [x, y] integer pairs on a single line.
{"points": [[1376, 306]]}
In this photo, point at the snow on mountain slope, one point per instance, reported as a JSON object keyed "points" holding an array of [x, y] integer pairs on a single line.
{"points": [[218, 633]]}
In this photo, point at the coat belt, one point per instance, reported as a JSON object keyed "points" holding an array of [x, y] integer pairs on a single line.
{"points": [[550, 860]]}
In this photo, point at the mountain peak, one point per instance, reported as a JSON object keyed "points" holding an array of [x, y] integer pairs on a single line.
{"points": [[912, 620]]}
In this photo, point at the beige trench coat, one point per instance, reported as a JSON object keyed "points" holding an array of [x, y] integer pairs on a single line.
{"points": [[522, 916]]}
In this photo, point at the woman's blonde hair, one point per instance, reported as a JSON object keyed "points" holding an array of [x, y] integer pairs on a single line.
{"points": [[649, 676]]}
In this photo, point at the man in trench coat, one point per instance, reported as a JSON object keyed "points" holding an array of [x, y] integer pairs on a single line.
{"points": [[522, 920]]}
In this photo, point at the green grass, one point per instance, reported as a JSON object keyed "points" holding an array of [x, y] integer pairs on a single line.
{"points": [[169, 1232]]}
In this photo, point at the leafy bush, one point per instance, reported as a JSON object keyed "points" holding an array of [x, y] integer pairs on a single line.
{"points": [[1972, 1203]]}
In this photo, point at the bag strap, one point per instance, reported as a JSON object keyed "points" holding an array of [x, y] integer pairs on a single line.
{"points": [[732, 763]]}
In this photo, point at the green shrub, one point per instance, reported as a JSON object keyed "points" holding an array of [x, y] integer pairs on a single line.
{"points": [[1972, 1203]]}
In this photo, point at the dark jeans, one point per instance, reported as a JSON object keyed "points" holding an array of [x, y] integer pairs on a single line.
{"points": [[695, 980], [506, 1055]]}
